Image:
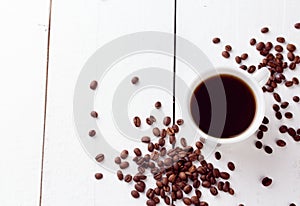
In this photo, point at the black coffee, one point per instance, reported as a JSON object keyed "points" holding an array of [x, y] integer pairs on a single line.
{"points": [[223, 106]]}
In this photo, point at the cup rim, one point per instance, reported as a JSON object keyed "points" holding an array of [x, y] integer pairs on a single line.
{"points": [[259, 99]]}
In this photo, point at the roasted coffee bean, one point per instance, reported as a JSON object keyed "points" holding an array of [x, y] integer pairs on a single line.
{"points": [[180, 122], [244, 56], [231, 191], [156, 200], [224, 175], [283, 129], [260, 46], [280, 39], [284, 105], [167, 200], [278, 48], [297, 25], [291, 56], [251, 69], [226, 186], [296, 138], [268, 149], [206, 184], [278, 115], [291, 47], [288, 115], [199, 145], [220, 185], [213, 191], [157, 105], [172, 140], [296, 98], [92, 133], [263, 128], [167, 121], [264, 30], [146, 139], [140, 186], [94, 114], [298, 131], [243, 67], [281, 143], [292, 66], [228, 48], [149, 121], [266, 181], [134, 80], [118, 160], [137, 121], [99, 157], [218, 155], [238, 59], [291, 131], [135, 194], [120, 175], [187, 201], [150, 147], [187, 189], [231, 166], [179, 194], [276, 107], [252, 41], [295, 80], [183, 142], [150, 203], [137, 152], [156, 131], [258, 144], [124, 165], [216, 40], [277, 97], [195, 200], [128, 178], [93, 85], [98, 176], [225, 54], [260, 134], [124, 154], [265, 120]]}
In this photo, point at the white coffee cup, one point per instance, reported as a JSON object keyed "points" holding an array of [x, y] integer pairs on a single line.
{"points": [[254, 81]]}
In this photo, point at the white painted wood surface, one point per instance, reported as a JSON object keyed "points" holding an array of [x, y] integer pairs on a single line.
{"points": [[22, 84]]}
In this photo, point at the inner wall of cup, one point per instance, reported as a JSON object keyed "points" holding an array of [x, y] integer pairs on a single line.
{"points": [[259, 105]]}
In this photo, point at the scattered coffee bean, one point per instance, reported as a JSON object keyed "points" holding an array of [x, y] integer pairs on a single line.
{"points": [[180, 122], [280, 39], [266, 181], [264, 30], [167, 121], [292, 132], [137, 121], [276, 107], [93, 85], [135, 194], [244, 56], [231, 191], [277, 97], [297, 25], [225, 54], [156, 131], [291, 56], [224, 175], [128, 178], [283, 129], [137, 152], [278, 115], [157, 105], [92, 133], [146, 139], [243, 67], [238, 59], [251, 69], [187, 201], [149, 121], [291, 47], [284, 105], [258, 144], [134, 80], [265, 120], [99, 157], [268, 149], [218, 155], [263, 128], [281, 143], [124, 165], [296, 99], [216, 40], [260, 134], [213, 191], [120, 175], [183, 142], [278, 48], [252, 41], [298, 131], [150, 203], [98, 176], [124, 154], [260, 46], [231, 166], [94, 114], [295, 80], [288, 115], [228, 48], [118, 160]]}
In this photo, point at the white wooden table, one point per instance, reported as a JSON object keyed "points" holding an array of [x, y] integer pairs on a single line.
{"points": [[42, 161]]}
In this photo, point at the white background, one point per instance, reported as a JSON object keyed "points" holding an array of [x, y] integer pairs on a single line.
{"points": [[79, 27]]}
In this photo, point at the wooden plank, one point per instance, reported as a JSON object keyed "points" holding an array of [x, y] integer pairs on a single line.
{"points": [[79, 28], [235, 22], [22, 84]]}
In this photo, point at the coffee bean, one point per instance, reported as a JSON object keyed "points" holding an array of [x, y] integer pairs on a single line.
{"points": [[288, 115], [206, 184], [291, 56], [243, 67], [153, 119], [195, 200], [281, 143], [295, 80], [118, 160], [264, 30], [278, 48], [226, 186], [135, 194], [187, 201], [172, 140], [296, 138], [150, 203], [292, 66], [156, 200], [251, 69], [150, 147], [137, 152], [124, 165], [238, 59], [179, 194], [98, 176], [218, 155], [167, 200], [293, 204], [284, 105], [224, 175], [276, 107], [231, 166], [298, 131], [93, 85], [187, 189], [99, 157], [277, 97], [216, 40], [296, 98], [292, 132], [297, 25], [124, 154], [157, 105], [260, 46], [260, 134], [128, 178], [280, 39], [228, 48], [149, 121], [231, 191], [120, 175], [213, 191], [258, 144], [156, 132], [140, 186], [266, 181], [252, 41], [180, 122], [167, 121], [268, 149], [265, 120], [134, 80], [145, 139], [94, 114], [263, 128], [199, 145], [92, 133], [225, 54], [278, 115], [291, 47], [183, 142], [137, 121], [283, 129]]}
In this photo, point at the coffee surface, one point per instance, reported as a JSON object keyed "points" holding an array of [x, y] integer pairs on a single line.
{"points": [[223, 106]]}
